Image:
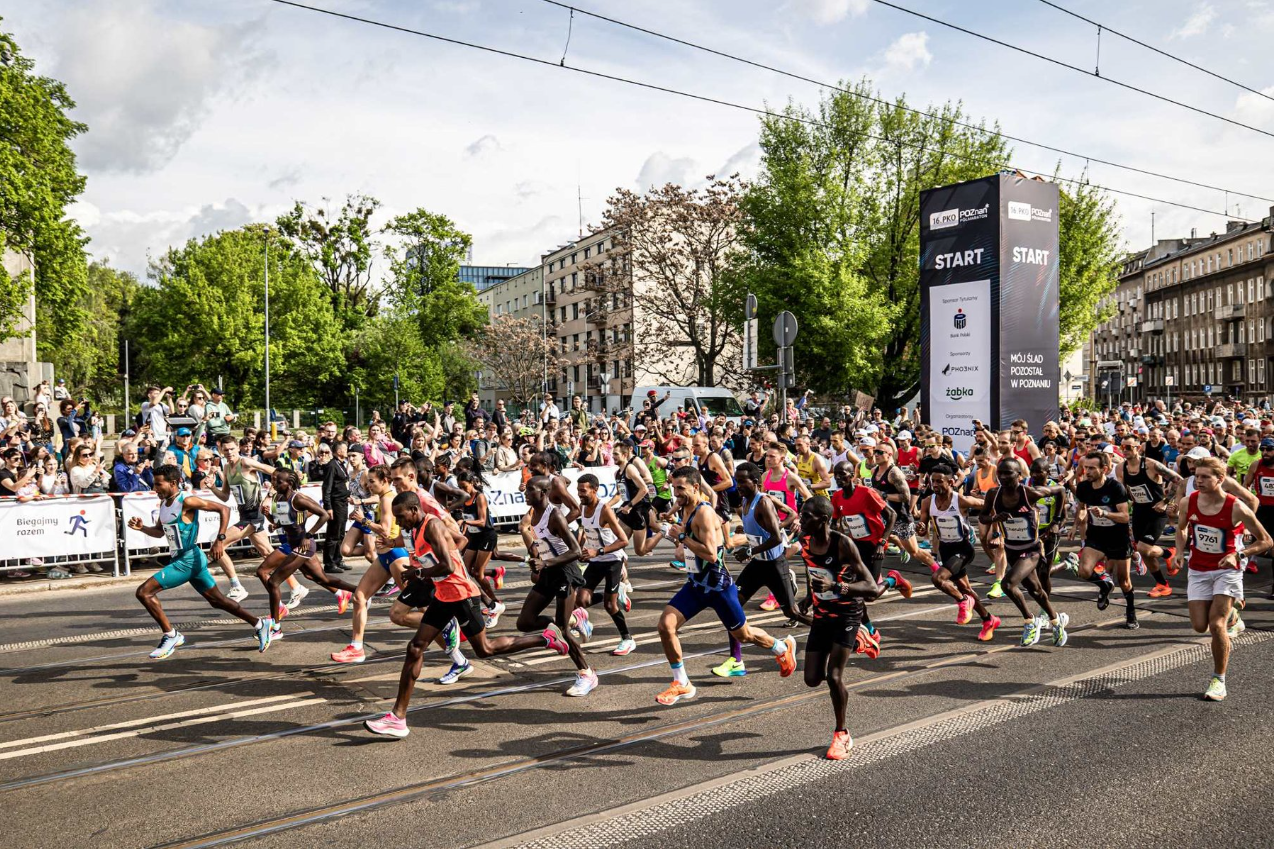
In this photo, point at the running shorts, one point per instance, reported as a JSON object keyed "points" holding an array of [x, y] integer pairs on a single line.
{"points": [[466, 612], [249, 516], [1115, 544], [832, 631], [390, 556], [190, 566], [661, 504], [302, 548], [481, 539], [419, 592], [955, 557], [1202, 586], [904, 526], [611, 571], [558, 581], [637, 517], [774, 575], [1148, 525], [873, 558], [691, 600]]}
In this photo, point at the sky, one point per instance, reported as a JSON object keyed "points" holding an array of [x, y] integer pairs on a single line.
{"points": [[207, 114]]}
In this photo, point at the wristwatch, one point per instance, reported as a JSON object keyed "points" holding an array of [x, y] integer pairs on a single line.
{"points": [[221, 537]]}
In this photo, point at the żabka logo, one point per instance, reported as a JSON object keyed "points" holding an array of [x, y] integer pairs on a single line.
{"points": [[960, 320], [943, 220], [957, 392]]}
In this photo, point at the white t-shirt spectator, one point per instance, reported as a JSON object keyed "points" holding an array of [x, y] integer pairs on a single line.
{"points": [[156, 416], [550, 411]]}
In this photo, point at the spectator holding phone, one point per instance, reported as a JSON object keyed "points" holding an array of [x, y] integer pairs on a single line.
{"points": [[131, 474], [73, 421]]}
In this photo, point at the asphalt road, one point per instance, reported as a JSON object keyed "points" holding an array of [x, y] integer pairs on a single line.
{"points": [[958, 743]]}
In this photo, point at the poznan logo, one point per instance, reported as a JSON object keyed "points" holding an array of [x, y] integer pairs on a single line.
{"points": [[946, 218]]}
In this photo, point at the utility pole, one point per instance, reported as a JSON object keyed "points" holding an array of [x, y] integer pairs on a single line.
{"points": [[269, 417], [126, 404]]}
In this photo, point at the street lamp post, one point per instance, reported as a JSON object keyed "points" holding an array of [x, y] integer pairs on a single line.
{"points": [[269, 418]]}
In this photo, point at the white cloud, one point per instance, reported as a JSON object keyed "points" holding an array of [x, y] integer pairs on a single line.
{"points": [[660, 168], [1254, 109], [743, 162], [1197, 23], [829, 11], [909, 52], [486, 144], [143, 81], [129, 239]]}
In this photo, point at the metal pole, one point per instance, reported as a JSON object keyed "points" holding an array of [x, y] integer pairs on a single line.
{"points": [[268, 417], [126, 404], [358, 415]]}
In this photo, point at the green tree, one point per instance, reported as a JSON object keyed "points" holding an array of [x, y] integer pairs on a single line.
{"points": [[340, 246], [204, 317], [38, 181], [424, 263], [390, 345], [1088, 258], [90, 360]]}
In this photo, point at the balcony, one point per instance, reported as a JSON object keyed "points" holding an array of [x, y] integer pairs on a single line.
{"points": [[1134, 353], [1230, 350], [1154, 325], [1230, 311], [595, 312], [550, 295]]}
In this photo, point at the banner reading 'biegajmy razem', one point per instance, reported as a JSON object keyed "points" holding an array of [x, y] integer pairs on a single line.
{"points": [[988, 302]]}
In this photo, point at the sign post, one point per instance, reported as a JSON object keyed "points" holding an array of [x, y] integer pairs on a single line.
{"points": [[784, 336], [749, 333], [1168, 381]]}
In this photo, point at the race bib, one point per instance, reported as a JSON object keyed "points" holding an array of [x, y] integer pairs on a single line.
{"points": [[950, 529], [856, 526], [1140, 494], [1017, 529], [754, 540], [174, 540], [909, 472], [542, 549], [1267, 487], [593, 538], [829, 595], [1043, 510], [1102, 521], [1209, 540]]}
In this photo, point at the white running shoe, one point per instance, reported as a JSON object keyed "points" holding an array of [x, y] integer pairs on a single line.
{"points": [[167, 645], [237, 593], [294, 600], [585, 683], [625, 647]]}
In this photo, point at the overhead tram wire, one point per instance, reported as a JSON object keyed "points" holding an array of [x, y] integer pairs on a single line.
{"points": [[1154, 49], [719, 102], [1076, 68], [793, 75]]}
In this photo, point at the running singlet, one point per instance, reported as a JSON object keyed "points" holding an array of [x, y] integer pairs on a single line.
{"points": [[1021, 528], [1023, 454], [829, 565], [1142, 491], [779, 490], [1264, 481], [456, 585], [659, 475], [953, 529], [631, 489], [469, 510], [182, 536], [860, 515], [246, 490], [598, 536], [1049, 510], [1212, 537], [886, 488], [805, 468], [984, 481], [712, 576], [909, 462], [763, 546], [288, 520], [547, 544]]}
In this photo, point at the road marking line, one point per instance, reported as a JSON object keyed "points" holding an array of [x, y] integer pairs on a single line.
{"points": [[137, 732], [135, 722]]}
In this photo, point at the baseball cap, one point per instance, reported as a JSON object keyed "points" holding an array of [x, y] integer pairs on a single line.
{"points": [[646, 443], [183, 431], [296, 443], [867, 442], [1198, 452], [217, 390], [1085, 422], [871, 429], [61, 380], [1267, 442], [639, 427], [651, 394], [906, 434]]}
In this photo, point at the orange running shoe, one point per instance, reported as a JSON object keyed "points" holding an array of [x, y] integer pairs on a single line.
{"points": [[770, 603], [282, 612], [787, 660], [1170, 561], [675, 693], [499, 577], [1160, 591], [988, 629], [342, 601], [900, 583], [841, 744]]}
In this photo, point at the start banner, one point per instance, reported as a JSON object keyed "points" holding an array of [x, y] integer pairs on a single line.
{"points": [[58, 527], [504, 490]]}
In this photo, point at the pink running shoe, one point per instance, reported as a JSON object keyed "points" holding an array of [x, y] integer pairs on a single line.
{"points": [[988, 629], [964, 610], [342, 601], [553, 640], [388, 726], [349, 654]]}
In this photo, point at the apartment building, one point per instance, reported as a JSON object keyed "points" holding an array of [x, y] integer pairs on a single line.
{"points": [[521, 296]]}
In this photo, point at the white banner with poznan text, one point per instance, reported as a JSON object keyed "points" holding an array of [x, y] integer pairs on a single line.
{"points": [[504, 490], [53, 527]]}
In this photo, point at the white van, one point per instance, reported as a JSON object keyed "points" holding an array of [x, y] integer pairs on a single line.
{"points": [[714, 400]]}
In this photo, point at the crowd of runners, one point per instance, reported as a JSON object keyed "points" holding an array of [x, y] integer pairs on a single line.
{"points": [[805, 507]]}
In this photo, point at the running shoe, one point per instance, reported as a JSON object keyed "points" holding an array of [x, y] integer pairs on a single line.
{"points": [[497, 577], [553, 640], [770, 603], [585, 683], [1130, 621], [892, 549], [1030, 633], [451, 635], [865, 642], [1059, 630], [265, 633], [281, 613], [492, 617], [625, 596], [996, 591], [342, 601], [583, 625], [1169, 561], [904, 555], [626, 646], [167, 645], [1234, 624], [675, 693], [388, 726], [1139, 563], [298, 595], [988, 629], [841, 744], [389, 589], [900, 583], [731, 668], [679, 565], [787, 660], [1103, 594], [56, 574], [237, 593], [349, 654], [1072, 562], [276, 632], [1160, 591], [1041, 622], [925, 544], [456, 672], [1216, 690], [964, 610]]}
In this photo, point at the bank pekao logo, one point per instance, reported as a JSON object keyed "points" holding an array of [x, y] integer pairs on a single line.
{"points": [[955, 393], [960, 319], [943, 220]]}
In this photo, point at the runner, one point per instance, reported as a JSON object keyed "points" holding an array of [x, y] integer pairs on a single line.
{"points": [[761, 547], [839, 581], [632, 502], [481, 538], [1050, 510], [555, 570], [1260, 479], [1144, 480], [286, 511], [1013, 507], [454, 597], [1102, 517], [892, 483], [1211, 523], [177, 520], [714, 473], [602, 541], [811, 468], [944, 512], [708, 584]]}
